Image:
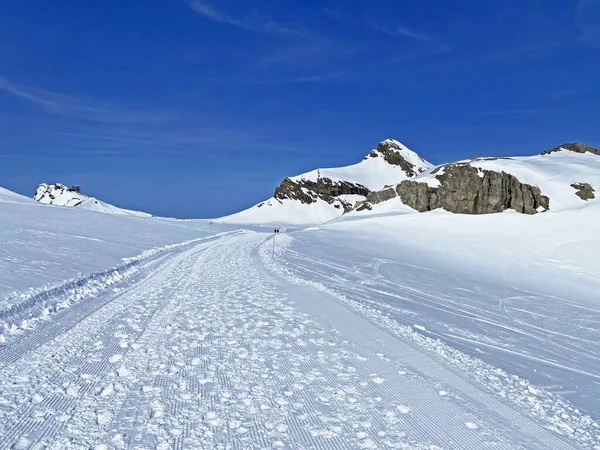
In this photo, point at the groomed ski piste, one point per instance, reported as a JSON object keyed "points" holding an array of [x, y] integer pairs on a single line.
{"points": [[392, 330]]}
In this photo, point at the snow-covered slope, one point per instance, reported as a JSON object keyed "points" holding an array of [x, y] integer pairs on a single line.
{"points": [[552, 181], [397, 331], [60, 195], [7, 196], [42, 244], [382, 330], [324, 194], [555, 174], [377, 169]]}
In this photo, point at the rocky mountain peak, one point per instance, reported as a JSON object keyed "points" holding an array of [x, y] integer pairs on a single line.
{"points": [[397, 154], [576, 147]]}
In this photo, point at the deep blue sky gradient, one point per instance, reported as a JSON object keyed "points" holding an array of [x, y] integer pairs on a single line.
{"points": [[200, 108]]}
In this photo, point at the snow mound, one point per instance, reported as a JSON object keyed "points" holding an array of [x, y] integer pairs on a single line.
{"points": [[60, 195]]}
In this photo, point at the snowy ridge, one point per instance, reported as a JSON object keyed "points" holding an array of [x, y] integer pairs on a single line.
{"points": [[554, 174], [59, 195], [557, 414], [7, 196], [564, 178], [23, 310], [388, 164], [550, 182], [373, 172]]}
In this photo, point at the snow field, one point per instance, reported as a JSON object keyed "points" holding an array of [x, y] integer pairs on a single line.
{"points": [[215, 350], [328, 270]]}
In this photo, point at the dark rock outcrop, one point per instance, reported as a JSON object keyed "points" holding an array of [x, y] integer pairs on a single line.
{"points": [[390, 151], [308, 191], [574, 147], [465, 189], [381, 196], [363, 206], [584, 191]]}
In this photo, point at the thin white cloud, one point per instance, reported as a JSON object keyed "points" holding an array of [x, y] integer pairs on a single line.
{"points": [[521, 112], [66, 105], [45, 99], [249, 81], [403, 31], [423, 44], [587, 22], [400, 31], [121, 139], [256, 24]]}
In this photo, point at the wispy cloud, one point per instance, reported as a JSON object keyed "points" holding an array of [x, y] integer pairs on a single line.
{"points": [[423, 44], [587, 22], [48, 100], [257, 81], [400, 31], [66, 105], [521, 112], [527, 51], [255, 23], [122, 139], [510, 112]]}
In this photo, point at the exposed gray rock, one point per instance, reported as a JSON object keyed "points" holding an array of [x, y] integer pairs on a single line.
{"points": [[584, 191], [381, 196], [390, 151], [362, 206], [308, 191], [465, 189], [574, 147]]}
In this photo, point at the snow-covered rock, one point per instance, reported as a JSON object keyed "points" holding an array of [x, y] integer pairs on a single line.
{"points": [[325, 194], [60, 195], [565, 177]]}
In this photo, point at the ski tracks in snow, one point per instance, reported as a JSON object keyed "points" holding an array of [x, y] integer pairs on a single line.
{"points": [[213, 351]]}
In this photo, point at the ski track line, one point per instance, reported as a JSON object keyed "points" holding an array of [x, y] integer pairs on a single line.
{"points": [[571, 355], [52, 399], [213, 350], [429, 365]]}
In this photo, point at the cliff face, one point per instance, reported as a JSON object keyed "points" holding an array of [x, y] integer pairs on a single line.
{"points": [[576, 147], [463, 189], [308, 191]]}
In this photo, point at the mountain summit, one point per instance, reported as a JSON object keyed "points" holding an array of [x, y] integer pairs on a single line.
{"points": [[324, 194]]}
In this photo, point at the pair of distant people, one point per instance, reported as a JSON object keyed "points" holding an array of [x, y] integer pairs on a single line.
{"points": [[276, 230]]}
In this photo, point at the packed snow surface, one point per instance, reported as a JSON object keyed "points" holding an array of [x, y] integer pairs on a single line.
{"points": [[394, 330]]}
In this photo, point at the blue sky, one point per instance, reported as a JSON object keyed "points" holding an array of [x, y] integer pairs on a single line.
{"points": [[200, 108]]}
